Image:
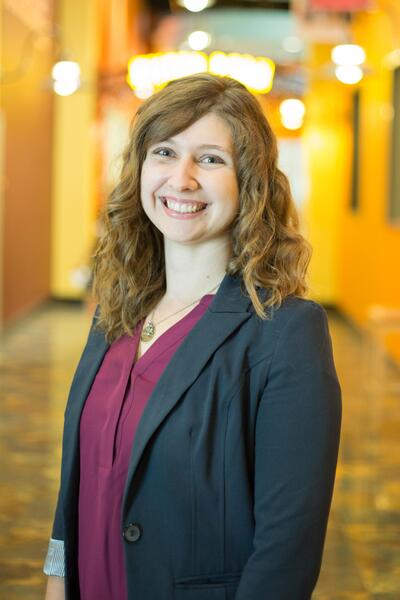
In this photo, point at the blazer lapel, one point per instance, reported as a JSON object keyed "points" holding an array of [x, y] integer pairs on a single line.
{"points": [[229, 309]]}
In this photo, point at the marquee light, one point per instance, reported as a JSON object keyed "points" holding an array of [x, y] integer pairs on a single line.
{"points": [[153, 71]]}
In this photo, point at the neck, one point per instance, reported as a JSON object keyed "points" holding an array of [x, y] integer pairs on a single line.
{"points": [[193, 271]]}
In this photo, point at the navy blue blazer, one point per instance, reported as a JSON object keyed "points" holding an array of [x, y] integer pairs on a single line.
{"points": [[233, 463]]}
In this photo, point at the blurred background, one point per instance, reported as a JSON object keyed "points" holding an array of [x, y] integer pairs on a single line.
{"points": [[327, 73]]}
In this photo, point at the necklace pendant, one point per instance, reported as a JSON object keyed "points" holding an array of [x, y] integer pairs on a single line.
{"points": [[148, 332]]}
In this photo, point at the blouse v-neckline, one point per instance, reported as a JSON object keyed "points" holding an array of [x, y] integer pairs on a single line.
{"points": [[168, 337]]}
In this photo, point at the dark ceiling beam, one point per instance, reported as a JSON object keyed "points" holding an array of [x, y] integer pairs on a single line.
{"points": [[167, 5]]}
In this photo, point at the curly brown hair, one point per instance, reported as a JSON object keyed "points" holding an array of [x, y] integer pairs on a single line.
{"points": [[268, 251]]}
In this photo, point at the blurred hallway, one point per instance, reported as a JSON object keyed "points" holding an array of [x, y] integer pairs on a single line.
{"points": [[361, 560], [60, 154]]}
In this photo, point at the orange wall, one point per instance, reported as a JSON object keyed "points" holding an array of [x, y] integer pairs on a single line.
{"points": [[27, 117]]}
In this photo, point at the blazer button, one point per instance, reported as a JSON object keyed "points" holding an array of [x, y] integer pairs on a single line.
{"points": [[132, 532]]}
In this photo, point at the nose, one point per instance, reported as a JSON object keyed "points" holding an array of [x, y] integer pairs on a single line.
{"points": [[183, 175]]}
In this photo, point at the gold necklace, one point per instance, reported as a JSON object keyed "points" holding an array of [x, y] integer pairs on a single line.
{"points": [[149, 330]]}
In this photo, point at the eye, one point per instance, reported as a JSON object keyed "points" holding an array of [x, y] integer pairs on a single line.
{"points": [[212, 159], [163, 152]]}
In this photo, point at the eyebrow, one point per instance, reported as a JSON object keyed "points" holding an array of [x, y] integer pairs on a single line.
{"points": [[203, 146], [215, 146]]}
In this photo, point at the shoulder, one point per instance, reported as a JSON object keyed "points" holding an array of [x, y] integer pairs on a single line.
{"points": [[298, 330], [295, 312], [298, 308]]}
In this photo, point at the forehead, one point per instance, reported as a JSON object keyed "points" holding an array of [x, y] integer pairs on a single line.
{"points": [[210, 130]]}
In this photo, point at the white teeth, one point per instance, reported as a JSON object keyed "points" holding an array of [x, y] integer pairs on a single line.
{"points": [[183, 208]]}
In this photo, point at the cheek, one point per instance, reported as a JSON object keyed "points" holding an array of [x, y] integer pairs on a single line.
{"points": [[150, 181], [146, 188], [144, 176], [232, 189]]}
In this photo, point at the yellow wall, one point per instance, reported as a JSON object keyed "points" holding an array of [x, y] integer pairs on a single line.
{"points": [[74, 167], [370, 245], [327, 138], [2, 173], [356, 255], [101, 35]]}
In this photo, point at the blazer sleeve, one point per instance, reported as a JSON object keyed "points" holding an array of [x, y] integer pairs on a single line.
{"points": [[54, 563], [296, 450]]}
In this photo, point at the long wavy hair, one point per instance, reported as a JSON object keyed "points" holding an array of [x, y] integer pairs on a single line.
{"points": [[268, 252]]}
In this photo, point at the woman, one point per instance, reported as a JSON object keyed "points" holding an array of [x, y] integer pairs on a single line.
{"points": [[202, 427]]}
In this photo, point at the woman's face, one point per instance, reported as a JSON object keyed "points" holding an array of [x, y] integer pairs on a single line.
{"points": [[189, 188]]}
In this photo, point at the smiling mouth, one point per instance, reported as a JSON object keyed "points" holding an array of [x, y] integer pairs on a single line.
{"points": [[183, 207]]}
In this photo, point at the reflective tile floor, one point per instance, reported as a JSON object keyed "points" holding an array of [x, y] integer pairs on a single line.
{"points": [[37, 360]]}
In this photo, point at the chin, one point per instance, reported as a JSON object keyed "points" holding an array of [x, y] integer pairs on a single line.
{"points": [[184, 240]]}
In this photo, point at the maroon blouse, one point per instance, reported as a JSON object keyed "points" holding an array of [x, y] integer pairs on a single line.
{"points": [[109, 420]]}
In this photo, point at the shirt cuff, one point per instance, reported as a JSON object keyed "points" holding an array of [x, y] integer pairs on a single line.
{"points": [[54, 563]]}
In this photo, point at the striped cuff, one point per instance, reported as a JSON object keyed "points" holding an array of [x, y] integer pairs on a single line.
{"points": [[54, 563]]}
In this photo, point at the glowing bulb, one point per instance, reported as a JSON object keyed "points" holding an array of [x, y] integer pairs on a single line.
{"points": [[292, 124], [292, 113], [219, 63], [195, 5], [65, 88], [66, 77], [66, 69], [292, 108], [198, 40], [349, 74], [348, 54]]}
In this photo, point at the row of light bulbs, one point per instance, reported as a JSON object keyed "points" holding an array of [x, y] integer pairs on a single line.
{"points": [[347, 58], [66, 80]]}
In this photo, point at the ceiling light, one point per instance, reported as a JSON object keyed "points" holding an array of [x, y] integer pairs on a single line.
{"points": [[292, 107], [348, 54], [292, 113], [66, 76], [66, 69], [198, 40], [292, 44], [349, 74], [196, 5]]}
